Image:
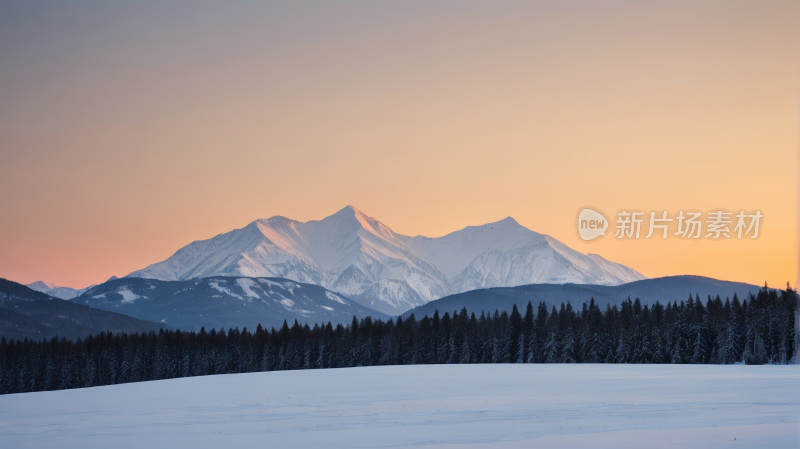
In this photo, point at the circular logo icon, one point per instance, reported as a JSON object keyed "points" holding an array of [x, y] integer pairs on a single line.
{"points": [[591, 224]]}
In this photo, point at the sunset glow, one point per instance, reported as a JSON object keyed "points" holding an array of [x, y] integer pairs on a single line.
{"points": [[178, 126]]}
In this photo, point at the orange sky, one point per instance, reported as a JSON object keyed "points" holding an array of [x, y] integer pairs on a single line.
{"points": [[128, 131]]}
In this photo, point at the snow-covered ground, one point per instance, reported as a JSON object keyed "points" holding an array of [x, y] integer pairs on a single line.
{"points": [[505, 406]]}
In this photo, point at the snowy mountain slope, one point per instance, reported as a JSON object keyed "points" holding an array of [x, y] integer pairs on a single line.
{"points": [[453, 253], [390, 296], [346, 252], [56, 291], [222, 301], [361, 258], [25, 312], [505, 253], [40, 286]]}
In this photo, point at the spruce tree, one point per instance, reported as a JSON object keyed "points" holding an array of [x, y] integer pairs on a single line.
{"points": [[645, 352], [623, 351], [551, 349], [658, 353]]}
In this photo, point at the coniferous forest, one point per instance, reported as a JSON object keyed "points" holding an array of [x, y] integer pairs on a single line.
{"points": [[756, 330]]}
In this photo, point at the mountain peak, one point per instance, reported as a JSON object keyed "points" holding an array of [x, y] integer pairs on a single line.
{"points": [[40, 286], [509, 221], [350, 211], [275, 218], [506, 223]]}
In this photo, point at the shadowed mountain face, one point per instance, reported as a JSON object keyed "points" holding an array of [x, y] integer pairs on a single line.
{"points": [[666, 289], [361, 258], [221, 301], [28, 313]]}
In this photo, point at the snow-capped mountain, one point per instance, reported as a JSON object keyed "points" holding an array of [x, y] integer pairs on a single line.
{"points": [[56, 291], [41, 286], [505, 254], [360, 257]]}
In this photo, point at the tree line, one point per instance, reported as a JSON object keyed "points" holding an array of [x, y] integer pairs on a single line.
{"points": [[757, 330]]}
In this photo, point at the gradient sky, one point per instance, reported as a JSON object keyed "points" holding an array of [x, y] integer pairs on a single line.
{"points": [[128, 130]]}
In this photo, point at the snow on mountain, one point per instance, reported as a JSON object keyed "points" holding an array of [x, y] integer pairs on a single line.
{"points": [[40, 286], [56, 291], [347, 252], [360, 257], [220, 301], [505, 254], [453, 253], [390, 296]]}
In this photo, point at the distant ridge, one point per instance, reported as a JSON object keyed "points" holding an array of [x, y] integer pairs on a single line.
{"points": [[664, 289], [222, 301], [28, 313], [56, 291]]}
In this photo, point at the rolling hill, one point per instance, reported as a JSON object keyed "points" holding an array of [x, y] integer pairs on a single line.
{"points": [[670, 288], [221, 301], [28, 313]]}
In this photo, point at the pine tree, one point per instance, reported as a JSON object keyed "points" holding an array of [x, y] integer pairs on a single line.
{"points": [[497, 357], [386, 351], [23, 379], [551, 349], [528, 330], [645, 353], [67, 380], [267, 358], [466, 355], [89, 373], [452, 349], [51, 374], [320, 362], [531, 356], [700, 353], [760, 355], [658, 354], [186, 364], [623, 351], [593, 349], [521, 349], [568, 347], [678, 348], [109, 368]]}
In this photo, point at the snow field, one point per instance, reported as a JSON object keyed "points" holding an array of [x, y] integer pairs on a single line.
{"points": [[506, 406]]}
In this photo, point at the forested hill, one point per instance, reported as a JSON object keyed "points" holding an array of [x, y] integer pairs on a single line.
{"points": [[756, 330], [35, 315], [663, 290], [222, 301]]}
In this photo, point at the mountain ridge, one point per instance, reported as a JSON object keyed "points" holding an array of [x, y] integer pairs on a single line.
{"points": [[648, 291], [225, 301], [25, 312], [56, 291], [356, 255]]}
